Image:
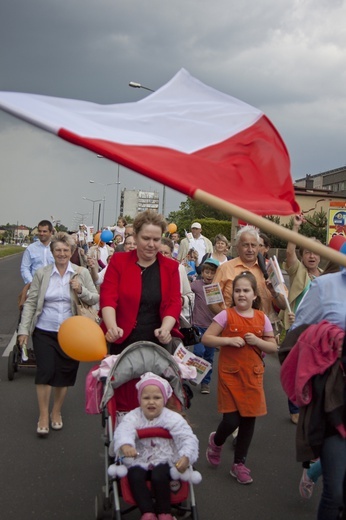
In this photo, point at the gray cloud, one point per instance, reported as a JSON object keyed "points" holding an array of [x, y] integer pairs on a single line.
{"points": [[284, 56]]}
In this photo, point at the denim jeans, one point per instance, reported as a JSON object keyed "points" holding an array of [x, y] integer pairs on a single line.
{"points": [[293, 408], [206, 353], [333, 461]]}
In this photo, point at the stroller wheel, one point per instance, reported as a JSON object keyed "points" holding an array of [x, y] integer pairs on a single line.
{"points": [[116, 515], [99, 506], [12, 366]]}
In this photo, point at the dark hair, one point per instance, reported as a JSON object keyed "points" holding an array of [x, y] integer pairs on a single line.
{"points": [[266, 239], [149, 217], [167, 242], [207, 265], [124, 221], [253, 282], [46, 223]]}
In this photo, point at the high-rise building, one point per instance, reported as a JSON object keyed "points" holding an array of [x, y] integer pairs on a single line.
{"points": [[135, 201]]}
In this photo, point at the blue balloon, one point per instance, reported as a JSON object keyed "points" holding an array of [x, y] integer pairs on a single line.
{"points": [[106, 236], [343, 248]]}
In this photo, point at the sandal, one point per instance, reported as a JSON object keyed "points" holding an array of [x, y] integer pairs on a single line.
{"points": [[42, 431], [56, 425]]}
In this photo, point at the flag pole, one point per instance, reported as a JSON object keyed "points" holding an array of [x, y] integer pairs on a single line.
{"points": [[270, 227]]}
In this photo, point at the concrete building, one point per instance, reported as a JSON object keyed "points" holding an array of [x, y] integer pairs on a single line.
{"points": [[332, 180], [136, 201]]}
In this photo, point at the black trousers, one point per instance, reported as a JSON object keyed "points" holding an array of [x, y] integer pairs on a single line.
{"points": [[230, 422], [160, 479]]}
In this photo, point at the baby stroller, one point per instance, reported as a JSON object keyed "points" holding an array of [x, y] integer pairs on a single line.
{"points": [[18, 357], [17, 360], [119, 397]]}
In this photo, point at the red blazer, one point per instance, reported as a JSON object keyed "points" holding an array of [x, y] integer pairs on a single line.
{"points": [[122, 289]]}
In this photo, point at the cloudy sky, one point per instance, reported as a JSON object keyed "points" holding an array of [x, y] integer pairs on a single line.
{"points": [[286, 57]]}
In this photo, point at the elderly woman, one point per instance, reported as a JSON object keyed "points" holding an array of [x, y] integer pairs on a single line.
{"points": [[220, 252], [140, 296], [53, 297]]}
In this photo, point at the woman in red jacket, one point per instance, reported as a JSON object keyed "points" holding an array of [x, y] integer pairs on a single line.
{"points": [[140, 296]]}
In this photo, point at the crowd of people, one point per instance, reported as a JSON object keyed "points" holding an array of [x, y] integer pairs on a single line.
{"points": [[144, 281]]}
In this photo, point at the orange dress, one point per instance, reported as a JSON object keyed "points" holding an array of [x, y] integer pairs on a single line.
{"points": [[240, 370]]}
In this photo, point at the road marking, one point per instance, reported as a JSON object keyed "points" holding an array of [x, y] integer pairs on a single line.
{"points": [[10, 345]]}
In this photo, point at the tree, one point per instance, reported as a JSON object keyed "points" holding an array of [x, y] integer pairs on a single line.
{"points": [[191, 210], [314, 226]]}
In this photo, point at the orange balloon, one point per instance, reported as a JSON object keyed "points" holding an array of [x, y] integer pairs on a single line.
{"points": [[82, 339], [97, 238], [172, 227]]}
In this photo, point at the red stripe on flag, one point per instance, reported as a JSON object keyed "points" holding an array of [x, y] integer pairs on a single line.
{"points": [[251, 169]]}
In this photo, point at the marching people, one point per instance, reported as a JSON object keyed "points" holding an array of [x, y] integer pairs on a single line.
{"points": [[220, 252], [325, 300], [38, 254], [140, 295], [247, 242], [301, 273], [196, 242], [49, 303], [243, 333], [202, 317]]}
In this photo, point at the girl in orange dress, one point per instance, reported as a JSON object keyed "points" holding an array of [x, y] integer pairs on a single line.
{"points": [[243, 333]]}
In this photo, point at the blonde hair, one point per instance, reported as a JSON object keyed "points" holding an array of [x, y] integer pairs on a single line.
{"points": [[149, 217], [64, 238]]}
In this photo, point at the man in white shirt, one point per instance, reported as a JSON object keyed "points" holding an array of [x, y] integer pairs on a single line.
{"points": [[195, 241], [38, 254]]}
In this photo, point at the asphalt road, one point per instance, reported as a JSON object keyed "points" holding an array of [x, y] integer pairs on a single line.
{"points": [[58, 477]]}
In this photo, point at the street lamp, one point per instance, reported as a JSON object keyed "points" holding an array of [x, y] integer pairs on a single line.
{"points": [[104, 197], [93, 201], [134, 84], [80, 217]]}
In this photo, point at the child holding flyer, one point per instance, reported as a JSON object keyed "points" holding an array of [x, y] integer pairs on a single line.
{"points": [[202, 316], [243, 333]]}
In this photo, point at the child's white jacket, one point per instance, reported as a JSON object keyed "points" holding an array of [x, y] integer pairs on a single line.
{"points": [[157, 450]]}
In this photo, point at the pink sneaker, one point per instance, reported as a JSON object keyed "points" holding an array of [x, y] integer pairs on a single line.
{"points": [[213, 453], [306, 485], [149, 516], [241, 473]]}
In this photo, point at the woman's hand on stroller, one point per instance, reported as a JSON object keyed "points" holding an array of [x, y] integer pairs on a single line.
{"points": [[182, 464], [128, 450], [22, 339], [163, 335], [114, 333]]}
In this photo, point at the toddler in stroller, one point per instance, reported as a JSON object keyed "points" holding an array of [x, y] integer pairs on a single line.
{"points": [[152, 459], [120, 396]]}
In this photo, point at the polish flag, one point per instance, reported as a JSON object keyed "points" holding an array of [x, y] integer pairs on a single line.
{"points": [[185, 135]]}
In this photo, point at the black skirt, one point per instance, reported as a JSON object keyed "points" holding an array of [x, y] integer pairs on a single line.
{"points": [[54, 367]]}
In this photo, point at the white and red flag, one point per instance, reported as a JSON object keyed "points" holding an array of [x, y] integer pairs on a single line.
{"points": [[185, 135]]}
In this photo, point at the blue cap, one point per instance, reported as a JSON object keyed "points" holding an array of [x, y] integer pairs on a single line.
{"points": [[212, 261]]}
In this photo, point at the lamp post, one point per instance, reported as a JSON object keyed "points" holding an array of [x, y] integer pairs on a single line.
{"points": [[104, 197], [80, 217], [134, 84], [93, 202]]}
